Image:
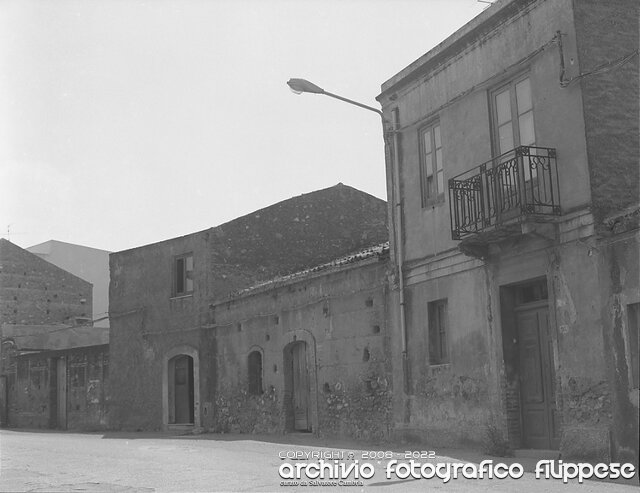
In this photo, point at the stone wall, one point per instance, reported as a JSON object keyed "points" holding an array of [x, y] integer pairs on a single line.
{"points": [[342, 318], [33, 291]]}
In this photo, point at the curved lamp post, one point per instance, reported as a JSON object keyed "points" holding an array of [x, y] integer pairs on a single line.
{"points": [[299, 86]]}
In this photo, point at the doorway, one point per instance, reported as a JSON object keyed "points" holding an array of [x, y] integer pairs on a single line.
{"points": [[530, 367], [297, 386], [61, 393], [181, 391]]}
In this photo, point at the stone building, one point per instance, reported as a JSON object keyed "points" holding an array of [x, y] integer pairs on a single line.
{"points": [[90, 264], [272, 322], [34, 291], [55, 376], [515, 297], [53, 363]]}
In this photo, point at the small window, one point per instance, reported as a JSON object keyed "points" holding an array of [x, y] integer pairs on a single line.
{"points": [[633, 341], [431, 165], [438, 325], [255, 372], [183, 275]]}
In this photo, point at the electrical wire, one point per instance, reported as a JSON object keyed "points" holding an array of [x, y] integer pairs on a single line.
{"points": [[604, 67]]}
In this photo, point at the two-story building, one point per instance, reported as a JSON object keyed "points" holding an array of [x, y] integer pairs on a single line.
{"points": [[516, 290], [272, 322]]}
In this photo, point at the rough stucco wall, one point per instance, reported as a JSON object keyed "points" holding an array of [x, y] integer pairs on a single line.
{"points": [[583, 389], [32, 392], [450, 404], [87, 375], [607, 31], [28, 393], [33, 291], [342, 315], [146, 322], [619, 277]]}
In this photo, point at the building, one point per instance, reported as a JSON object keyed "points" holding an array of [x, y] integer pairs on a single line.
{"points": [[33, 291], [90, 264], [54, 376], [52, 361], [515, 296], [272, 322]]}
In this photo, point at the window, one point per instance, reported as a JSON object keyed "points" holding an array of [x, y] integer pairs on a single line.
{"points": [[255, 372], [431, 166], [183, 275], [512, 110], [438, 324]]}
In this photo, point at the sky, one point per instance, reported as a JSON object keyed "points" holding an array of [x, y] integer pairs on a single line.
{"points": [[127, 122]]}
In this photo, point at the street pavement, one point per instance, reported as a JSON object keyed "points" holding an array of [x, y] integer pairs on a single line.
{"points": [[47, 461]]}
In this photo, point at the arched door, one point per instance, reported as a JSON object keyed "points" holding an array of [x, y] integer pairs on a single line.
{"points": [[181, 375], [300, 387]]}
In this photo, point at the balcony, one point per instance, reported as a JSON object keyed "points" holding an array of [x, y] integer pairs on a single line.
{"points": [[491, 201]]}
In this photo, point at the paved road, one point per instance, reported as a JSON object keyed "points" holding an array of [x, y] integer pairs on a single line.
{"points": [[127, 463]]}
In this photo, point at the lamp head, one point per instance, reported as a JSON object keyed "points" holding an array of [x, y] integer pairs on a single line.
{"points": [[300, 85]]}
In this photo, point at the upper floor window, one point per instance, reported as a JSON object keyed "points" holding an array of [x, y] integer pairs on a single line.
{"points": [[183, 275], [512, 112], [438, 329], [431, 166]]}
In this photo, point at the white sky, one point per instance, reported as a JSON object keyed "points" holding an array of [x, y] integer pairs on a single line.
{"points": [[127, 122]]}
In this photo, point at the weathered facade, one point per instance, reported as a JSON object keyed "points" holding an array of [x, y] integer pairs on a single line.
{"points": [[258, 325], [516, 292], [58, 388], [53, 369], [34, 291]]}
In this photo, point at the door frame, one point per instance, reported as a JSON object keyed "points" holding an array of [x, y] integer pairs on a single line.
{"points": [[509, 307], [292, 338], [548, 375], [62, 386], [176, 351]]}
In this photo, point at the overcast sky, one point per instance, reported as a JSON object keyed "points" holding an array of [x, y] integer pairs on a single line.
{"points": [[127, 122]]}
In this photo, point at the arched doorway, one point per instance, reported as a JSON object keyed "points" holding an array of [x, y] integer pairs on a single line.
{"points": [[181, 388], [297, 387]]}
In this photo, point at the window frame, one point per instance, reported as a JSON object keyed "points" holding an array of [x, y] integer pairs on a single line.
{"points": [[438, 332], [431, 195], [510, 85], [183, 277]]}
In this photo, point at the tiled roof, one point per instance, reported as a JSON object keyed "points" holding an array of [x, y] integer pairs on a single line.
{"points": [[380, 250]]}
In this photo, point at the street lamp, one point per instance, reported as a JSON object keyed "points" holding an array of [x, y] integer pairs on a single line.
{"points": [[299, 86], [390, 136]]}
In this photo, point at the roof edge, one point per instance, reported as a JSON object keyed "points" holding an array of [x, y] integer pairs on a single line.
{"points": [[476, 28]]}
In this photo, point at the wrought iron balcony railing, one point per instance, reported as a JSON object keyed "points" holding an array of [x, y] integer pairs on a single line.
{"points": [[521, 182]]}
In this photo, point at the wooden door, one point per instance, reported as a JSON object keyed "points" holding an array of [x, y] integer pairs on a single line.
{"points": [[61, 400], [183, 382], [3, 400], [540, 425], [300, 387]]}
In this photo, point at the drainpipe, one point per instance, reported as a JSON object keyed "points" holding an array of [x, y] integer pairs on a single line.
{"points": [[397, 206]]}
